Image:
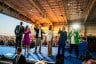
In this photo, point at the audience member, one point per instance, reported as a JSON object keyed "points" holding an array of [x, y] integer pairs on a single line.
{"points": [[19, 59]]}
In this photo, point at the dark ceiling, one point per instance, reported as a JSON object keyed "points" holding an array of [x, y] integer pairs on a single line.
{"points": [[92, 16], [55, 12]]}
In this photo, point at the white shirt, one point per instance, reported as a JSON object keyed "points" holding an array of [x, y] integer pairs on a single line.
{"points": [[49, 35], [72, 38], [17, 58], [39, 33]]}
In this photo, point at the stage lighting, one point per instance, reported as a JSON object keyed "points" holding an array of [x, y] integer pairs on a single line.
{"points": [[75, 26]]}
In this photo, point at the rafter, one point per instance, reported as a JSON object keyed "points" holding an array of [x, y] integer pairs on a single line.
{"points": [[11, 6], [65, 10], [38, 7], [12, 12], [89, 10]]}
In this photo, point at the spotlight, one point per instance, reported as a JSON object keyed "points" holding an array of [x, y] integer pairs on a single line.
{"points": [[75, 26]]}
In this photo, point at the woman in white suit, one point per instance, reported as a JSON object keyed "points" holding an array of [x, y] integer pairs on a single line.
{"points": [[49, 40]]}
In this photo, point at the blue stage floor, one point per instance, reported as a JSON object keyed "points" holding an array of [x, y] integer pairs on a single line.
{"points": [[8, 52]]}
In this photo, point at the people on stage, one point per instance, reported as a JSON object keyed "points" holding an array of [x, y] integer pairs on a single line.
{"points": [[62, 40], [26, 39], [19, 30], [61, 45], [49, 40], [39, 37], [73, 37]]}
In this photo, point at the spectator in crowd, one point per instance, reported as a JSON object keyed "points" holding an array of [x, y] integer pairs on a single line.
{"points": [[90, 61], [41, 62], [19, 59], [55, 41], [44, 41], [1, 42]]}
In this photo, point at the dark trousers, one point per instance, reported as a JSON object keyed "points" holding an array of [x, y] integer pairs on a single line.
{"points": [[61, 48], [60, 55], [75, 46], [18, 41]]}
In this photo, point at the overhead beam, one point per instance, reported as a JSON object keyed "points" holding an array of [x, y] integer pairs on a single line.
{"points": [[16, 13], [52, 10], [13, 13], [89, 10], [55, 24], [64, 7], [37, 5], [59, 23]]}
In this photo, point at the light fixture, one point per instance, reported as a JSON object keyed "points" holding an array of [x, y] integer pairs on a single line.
{"points": [[76, 26], [31, 10]]}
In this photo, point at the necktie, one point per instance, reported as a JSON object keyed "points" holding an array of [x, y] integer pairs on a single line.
{"points": [[17, 58]]}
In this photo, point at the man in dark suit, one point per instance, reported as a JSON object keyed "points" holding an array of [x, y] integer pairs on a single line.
{"points": [[19, 30], [61, 46], [39, 37], [19, 59], [62, 41]]}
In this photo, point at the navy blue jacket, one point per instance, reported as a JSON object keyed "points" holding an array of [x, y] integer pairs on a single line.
{"points": [[63, 37]]}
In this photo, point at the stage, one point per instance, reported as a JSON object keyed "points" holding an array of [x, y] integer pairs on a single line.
{"points": [[8, 52]]}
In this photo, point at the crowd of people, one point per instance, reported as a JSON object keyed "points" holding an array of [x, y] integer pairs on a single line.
{"points": [[72, 36], [7, 40], [22, 34]]}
